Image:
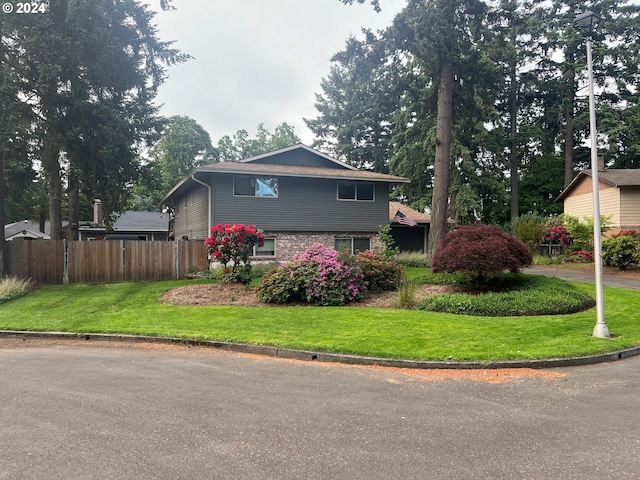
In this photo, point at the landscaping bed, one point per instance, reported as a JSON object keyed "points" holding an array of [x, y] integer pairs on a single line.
{"points": [[231, 294]]}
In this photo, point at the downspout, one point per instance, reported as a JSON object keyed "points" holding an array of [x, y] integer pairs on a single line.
{"points": [[193, 177]]}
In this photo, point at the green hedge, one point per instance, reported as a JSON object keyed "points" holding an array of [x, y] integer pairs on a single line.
{"points": [[520, 295]]}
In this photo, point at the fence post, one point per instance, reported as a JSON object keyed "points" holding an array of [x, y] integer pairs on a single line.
{"points": [[123, 258], [177, 258], [65, 263]]}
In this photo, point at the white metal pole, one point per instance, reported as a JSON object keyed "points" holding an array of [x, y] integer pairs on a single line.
{"points": [[600, 330]]}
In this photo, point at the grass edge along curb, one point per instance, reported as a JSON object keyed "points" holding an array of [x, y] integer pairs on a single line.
{"points": [[324, 357]]}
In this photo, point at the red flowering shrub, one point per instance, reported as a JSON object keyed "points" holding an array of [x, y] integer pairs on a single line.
{"points": [[480, 251], [581, 256], [233, 244], [555, 235], [629, 233]]}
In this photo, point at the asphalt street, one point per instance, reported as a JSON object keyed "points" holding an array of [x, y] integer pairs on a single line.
{"points": [[617, 281], [110, 411]]}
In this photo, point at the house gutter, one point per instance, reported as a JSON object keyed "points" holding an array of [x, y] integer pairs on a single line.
{"points": [[193, 177]]}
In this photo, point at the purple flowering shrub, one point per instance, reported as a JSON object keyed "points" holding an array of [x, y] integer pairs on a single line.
{"points": [[317, 276]]}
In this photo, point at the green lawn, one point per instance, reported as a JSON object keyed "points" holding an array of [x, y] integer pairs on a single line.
{"points": [[133, 308]]}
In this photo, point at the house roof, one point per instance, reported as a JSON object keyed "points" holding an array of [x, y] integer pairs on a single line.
{"points": [[299, 146], [25, 229], [295, 171], [130, 221], [251, 166], [614, 177], [142, 222], [127, 222], [416, 216]]}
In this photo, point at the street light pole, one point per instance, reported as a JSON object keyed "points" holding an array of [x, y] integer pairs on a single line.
{"points": [[600, 330]]}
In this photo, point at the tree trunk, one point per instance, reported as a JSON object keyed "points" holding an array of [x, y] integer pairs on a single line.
{"points": [[2, 216], [569, 119], [74, 208], [513, 144], [442, 172], [51, 167]]}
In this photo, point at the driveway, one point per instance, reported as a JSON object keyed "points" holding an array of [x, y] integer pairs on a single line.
{"points": [[109, 411], [618, 281]]}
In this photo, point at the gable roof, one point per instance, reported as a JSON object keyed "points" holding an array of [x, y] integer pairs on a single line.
{"points": [[25, 229], [254, 165], [299, 146], [621, 177], [416, 216]]}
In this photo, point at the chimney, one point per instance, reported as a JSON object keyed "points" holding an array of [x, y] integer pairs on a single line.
{"points": [[97, 211], [600, 163]]}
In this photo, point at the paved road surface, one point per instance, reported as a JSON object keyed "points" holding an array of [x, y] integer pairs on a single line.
{"points": [[585, 277], [104, 411]]}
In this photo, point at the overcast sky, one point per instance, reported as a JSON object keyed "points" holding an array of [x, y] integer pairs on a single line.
{"points": [[257, 61]]}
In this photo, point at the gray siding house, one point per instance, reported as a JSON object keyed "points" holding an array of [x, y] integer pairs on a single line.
{"points": [[297, 196]]}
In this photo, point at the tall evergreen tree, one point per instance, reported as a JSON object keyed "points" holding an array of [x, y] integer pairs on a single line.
{"points": [[243, 146], [89, 71], [357, 106]]}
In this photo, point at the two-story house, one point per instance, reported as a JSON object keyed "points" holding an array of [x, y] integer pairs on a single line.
{"points": [[296, 195]]}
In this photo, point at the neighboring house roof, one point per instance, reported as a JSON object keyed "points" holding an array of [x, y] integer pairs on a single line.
{"points": [[613, 177], [251, 166], [416, 216], [142, 222], [131, 221], [25, 229]]}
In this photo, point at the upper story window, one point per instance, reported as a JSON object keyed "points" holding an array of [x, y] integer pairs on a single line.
{"points": [[355, 191], [255, 187]]}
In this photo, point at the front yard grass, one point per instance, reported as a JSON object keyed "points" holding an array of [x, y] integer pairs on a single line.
{"points": [[133, 308]]}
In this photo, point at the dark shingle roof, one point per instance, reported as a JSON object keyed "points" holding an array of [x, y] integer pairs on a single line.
{"points": [[619, 178], [142, 222], [295, 171]]}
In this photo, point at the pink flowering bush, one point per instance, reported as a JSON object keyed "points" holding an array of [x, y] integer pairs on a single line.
{"points": [[555, 235], [233, 244], [317, 276]]}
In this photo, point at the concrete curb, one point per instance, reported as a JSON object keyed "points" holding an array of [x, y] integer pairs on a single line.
{"points": [[305, 355]]}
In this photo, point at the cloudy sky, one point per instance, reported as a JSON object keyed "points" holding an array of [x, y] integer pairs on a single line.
{"points": [[257, 61]]}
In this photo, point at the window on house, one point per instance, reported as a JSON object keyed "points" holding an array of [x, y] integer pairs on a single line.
{"points": [[362, 192], [267, 250], [352, 245], [255, 187]]}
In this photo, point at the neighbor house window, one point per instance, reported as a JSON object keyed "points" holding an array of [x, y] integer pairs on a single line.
{"points": [[362, 192], [267, 250], [255, 187], [352, 245]]}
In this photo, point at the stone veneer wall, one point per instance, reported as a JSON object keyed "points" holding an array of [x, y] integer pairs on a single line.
{"points": [[289, 244]]}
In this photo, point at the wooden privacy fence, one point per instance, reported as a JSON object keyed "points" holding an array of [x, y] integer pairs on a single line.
{"points": [[56, 261]]}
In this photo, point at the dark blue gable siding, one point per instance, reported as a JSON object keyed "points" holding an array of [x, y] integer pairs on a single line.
{"points": [[298, 158]]}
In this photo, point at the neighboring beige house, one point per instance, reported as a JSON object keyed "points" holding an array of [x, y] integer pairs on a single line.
{"points": [[619, 197]]}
